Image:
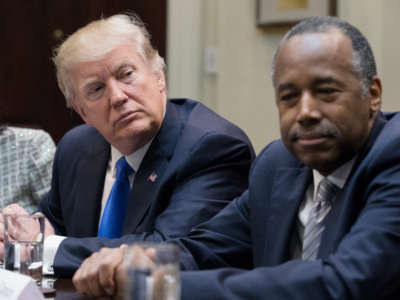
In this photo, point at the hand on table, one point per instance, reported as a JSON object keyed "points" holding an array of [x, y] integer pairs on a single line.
{"points": [[104, 273], [18, 230], [95, 277]]}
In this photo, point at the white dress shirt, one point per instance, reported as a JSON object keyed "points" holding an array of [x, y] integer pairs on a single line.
{"points": [[51, 243]]}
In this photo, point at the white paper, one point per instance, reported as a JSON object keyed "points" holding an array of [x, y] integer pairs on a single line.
{"points": [[14, 286]]}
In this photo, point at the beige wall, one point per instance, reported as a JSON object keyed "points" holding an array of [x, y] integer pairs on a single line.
{"points": [[217, 54]]}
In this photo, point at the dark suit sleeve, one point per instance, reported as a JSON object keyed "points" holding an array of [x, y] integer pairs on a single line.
{"points": [[365, 264], [214, 172], [223, 241], [49, 205]]}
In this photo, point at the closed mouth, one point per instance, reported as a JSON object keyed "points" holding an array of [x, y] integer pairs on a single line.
{"points": [[311, 141], [126, 116]]}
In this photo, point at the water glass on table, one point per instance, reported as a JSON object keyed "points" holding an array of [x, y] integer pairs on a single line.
{"points": [[23, 244], [152, 272]]}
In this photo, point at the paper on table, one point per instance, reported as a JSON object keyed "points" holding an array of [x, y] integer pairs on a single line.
{"points": [[14, 286]]}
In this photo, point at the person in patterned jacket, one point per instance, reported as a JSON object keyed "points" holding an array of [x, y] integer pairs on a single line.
{"points": [[26, 159]]}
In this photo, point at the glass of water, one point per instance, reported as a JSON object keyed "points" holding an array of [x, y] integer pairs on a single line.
{"points": [[23, 245], [152, 272]]}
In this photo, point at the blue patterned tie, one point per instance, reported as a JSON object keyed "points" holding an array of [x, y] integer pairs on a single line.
{"points": [[316, 221], [114, 212]]}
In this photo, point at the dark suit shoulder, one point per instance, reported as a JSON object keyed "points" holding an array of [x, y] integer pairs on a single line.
{"points": [[384, 149], [275, 155], [206, 140], [85, 139], [199, 118]]}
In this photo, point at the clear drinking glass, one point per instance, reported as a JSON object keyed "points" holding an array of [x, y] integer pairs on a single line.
{"points": [[23, 245], [152, 272]]}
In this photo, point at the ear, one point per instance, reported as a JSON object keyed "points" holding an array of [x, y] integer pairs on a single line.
{"points": [[161, 81], [80, 111], [375, 96]]}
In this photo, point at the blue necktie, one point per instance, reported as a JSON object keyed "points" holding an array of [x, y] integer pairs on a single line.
{"points": [[114, 212]]}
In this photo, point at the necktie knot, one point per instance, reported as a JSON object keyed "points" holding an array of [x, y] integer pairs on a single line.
{"points": [[326, 191], [123, 168]]}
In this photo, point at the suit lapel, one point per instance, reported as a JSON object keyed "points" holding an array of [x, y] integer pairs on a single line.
{"points": [[285, 202], [90, 184], [149, 176], [348, 203]]}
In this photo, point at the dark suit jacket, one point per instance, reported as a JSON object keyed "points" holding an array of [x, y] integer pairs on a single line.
{"points": [[359, 256], [201, 161]]}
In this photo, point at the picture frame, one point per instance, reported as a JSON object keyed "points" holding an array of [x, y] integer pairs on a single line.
{"points": [[283, 12]]}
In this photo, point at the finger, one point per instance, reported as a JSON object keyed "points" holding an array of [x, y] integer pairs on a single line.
{"points": [[81, 282], [92, 282], [2, 250], [81, 278], [1, 231], [159, 283], [86, 279], [100, 273], [151, 253], [106, 279], [22, 228], [48, 228], [14, 209], [120, 279], [139, 257], [77, 279], [108, 269]]}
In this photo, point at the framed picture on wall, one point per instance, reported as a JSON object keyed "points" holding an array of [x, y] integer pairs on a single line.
{"points": [[275, 12]]}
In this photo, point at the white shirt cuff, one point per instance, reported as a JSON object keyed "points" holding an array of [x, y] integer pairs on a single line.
{"points": [[50, 247]]}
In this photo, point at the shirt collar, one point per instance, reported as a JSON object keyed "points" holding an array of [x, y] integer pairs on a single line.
{"points": [[337, 177], [134, 159]]}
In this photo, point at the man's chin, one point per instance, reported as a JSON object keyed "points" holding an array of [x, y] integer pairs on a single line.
{"points": [[315, 160], [324, 165], [131, 130], [136, 135]]}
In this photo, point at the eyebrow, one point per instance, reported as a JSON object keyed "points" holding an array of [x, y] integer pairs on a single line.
{"points": [[87, 83], [323, 80], [315, 82], [286, 86], [91, 80], [122, 64]]}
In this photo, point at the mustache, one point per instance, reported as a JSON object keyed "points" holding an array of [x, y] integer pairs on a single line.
{"points": [[320, 131]]}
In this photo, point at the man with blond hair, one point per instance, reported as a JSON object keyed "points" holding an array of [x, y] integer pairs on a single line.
{"points": [[144, 167]]}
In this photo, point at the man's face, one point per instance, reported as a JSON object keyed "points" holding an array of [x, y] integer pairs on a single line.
{"points": [[324, 116], [121, 96]]}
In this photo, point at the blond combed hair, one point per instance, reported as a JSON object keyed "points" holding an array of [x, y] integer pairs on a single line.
{"points": [[95, 40]]}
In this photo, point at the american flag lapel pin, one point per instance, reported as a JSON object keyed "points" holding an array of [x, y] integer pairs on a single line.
{"points": [[153, 176]]}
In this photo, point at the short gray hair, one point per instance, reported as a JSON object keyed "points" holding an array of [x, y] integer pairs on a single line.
{"points": [[363, 57], [96, 39]]}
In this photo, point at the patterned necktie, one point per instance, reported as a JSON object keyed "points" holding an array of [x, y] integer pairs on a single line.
{"points": [[114, 212], [316, 221]]}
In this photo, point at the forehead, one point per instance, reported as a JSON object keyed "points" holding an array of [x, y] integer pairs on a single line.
{"points": [[329, 51], [111, 62]]}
